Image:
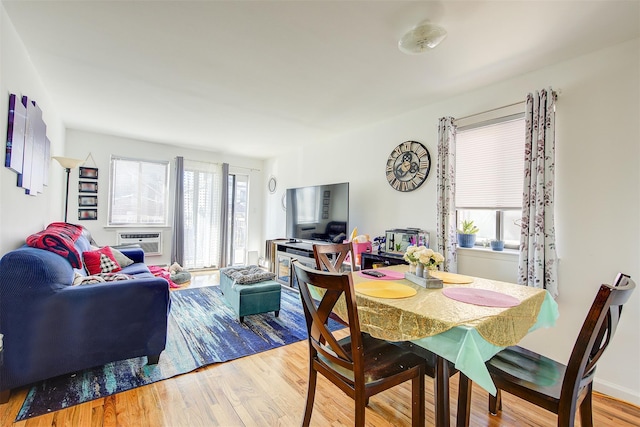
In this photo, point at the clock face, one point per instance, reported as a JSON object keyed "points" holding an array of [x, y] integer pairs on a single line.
{"points": [[408, 166]]}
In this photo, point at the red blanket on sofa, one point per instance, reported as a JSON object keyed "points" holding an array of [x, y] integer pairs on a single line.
{"points": [[59, 238]]}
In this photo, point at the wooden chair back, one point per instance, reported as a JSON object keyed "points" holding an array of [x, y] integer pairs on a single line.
{"points": [[359, 364], [563, 389], [595, 335], [320, 292], [331, 257]]}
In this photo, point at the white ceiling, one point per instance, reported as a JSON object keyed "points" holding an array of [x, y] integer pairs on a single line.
{"points": [[255, 77]]}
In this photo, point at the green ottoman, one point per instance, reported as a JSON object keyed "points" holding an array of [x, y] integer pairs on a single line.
{"points": [[254, 298]]}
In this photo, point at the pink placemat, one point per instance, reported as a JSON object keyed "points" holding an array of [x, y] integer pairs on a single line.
{"points": [[482, 297], [388, 274]]}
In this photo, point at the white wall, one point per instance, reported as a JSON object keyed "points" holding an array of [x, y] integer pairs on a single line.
{"points": [[80, 144], [21, 215], [597, 192]]}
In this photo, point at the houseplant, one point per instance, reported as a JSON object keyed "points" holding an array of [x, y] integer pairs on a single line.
{"points": [[467, 234], [497, 245]]}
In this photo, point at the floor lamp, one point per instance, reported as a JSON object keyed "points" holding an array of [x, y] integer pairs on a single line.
{"points": [[67, 163]]}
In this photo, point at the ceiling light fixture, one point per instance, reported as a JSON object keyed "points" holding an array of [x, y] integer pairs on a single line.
{"points": [[421, 38]]}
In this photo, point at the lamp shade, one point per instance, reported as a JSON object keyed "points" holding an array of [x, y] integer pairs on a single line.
{"points": [[68, 162], [421, 38]]}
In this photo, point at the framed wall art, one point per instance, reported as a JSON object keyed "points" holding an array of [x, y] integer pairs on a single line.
{"points": [[87, 187], [88, 173], [88, 201], [27, 150], [87, 214]]}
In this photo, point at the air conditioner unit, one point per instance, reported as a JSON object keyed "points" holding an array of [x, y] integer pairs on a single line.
{"points": [[150, 242]]}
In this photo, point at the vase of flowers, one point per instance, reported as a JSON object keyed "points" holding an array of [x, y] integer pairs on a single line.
{"points": [[424, 258], [411, 257], [430, 260]]}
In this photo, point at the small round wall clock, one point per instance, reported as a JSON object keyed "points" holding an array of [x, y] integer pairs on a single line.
{"points": [[408, 166], [272, 184]]}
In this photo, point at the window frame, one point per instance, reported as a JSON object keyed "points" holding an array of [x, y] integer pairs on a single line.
{"points": [[499, 230], [112, 183]]}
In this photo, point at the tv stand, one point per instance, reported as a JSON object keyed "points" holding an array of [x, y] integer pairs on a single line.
{"points": [[287, 249], [368, 259]]}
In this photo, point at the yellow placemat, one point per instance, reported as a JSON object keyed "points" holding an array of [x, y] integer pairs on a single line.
{"points": [[447, 277], [384, 289]]}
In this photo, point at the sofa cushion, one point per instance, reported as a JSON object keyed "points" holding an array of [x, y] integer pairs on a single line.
{"points": [[121, 258], [247, 275], [136, 269], [101, 261]]}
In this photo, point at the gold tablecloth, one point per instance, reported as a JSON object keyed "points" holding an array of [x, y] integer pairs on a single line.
{"points": [[430, 312]]}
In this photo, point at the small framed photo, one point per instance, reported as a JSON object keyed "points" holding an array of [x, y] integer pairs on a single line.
{"points": [[84, 214], [87, 201], [325, 202], [87, 187], [327, 194], [90, 173]]}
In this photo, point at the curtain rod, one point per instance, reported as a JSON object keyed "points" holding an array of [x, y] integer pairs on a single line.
{"points": [[556, 92], [219, 163], [489, 111]]}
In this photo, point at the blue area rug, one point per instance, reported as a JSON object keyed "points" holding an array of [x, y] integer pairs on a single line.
{"points": [[202, 330]]}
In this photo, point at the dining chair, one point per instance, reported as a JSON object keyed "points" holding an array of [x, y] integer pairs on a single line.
{"points": [[359, 365], [330, 257], [552, 385]]}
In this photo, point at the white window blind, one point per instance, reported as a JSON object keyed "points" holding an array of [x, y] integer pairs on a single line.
{"points": [[139, 193], [490, 164]]}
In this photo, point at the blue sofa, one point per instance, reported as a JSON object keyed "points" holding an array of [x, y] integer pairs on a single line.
{"points": [[52, 328]]}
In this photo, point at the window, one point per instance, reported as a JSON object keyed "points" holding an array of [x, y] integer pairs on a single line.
{"points": [[139, 192], [489, 175]]}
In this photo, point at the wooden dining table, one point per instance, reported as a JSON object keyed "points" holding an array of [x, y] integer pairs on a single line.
{"points": [[495, 315]]}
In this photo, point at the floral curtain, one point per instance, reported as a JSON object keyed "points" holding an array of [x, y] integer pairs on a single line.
{"points": [[446, 204], [538, 261]]}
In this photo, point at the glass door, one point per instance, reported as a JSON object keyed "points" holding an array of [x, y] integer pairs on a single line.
{"points": [[202, 195], [238, 186]]}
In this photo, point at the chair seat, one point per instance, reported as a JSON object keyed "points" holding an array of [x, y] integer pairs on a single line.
{"points": [[381, 359], [530, 372]]}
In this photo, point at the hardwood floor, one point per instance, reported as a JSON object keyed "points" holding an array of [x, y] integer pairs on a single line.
{"points": [[268, 389]]}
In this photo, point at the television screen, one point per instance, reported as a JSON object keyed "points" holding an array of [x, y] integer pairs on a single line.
{"points": [[319, 212]]}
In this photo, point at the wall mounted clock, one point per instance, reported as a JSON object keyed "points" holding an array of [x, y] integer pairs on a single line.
{"points": [[272, 184], [408, 166]]}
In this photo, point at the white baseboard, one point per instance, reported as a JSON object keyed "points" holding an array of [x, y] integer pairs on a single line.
{"points": [[615, 391]]}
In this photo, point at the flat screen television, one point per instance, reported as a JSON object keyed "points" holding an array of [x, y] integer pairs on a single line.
{"points": [[318, 213]]}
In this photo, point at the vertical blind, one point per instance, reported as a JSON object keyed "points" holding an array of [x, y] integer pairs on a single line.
{"points": [[490, 164], [202, 194]]}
